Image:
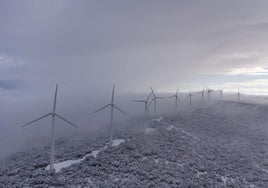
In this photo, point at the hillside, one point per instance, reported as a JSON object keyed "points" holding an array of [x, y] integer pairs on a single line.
{"points": [[224, 145]]}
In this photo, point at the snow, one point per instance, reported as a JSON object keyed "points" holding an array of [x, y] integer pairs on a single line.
{"points": [[60, 165], [212, 147], [191, 135], [264, 170], [224, 179], [158, 119], [96, 152], [200, 174], [117, 142], [89, 180], [64, 164], [148, 130], [169, 127]]}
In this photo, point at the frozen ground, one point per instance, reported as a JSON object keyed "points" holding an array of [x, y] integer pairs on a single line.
{"points": [[225, 145]]}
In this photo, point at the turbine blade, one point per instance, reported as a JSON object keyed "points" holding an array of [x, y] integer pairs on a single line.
{"points": [[151, 101], [172, 96], [102, 108], [177, 90], [153, 92], [148, 97], [138, 101], [66, 120], [120, 110], [112, 100], [55, 98], [36, 119]]}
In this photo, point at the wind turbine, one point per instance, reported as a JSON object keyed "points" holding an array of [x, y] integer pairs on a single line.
{"points": [[209, 91], [190, 99], [146, 107], [113, 106], [176, 99], [53, 114], [238, 95], [202, 94], [221, 93], [155, 100]]}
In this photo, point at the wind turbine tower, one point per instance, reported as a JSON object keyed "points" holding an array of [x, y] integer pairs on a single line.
{"points": [[112, 107], [221, 93], [176, 99], [190, 99], [202, 94], [146, 107], [53, 114], [155, 98], [238, 95], [209, 91]]}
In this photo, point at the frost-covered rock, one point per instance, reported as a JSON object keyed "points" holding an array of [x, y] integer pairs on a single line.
{"points": [[204, 148]]}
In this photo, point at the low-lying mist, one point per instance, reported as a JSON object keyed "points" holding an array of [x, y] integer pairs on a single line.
{"points": [[79, 110]]}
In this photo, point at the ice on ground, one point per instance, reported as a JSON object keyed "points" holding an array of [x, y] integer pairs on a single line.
{"points": [[64, 164], [200, 173], [89, 180], [96, 152], [169, 127], [117, 142], [258, 166], [158, 119], [188, 134], [60, 165], [180, 165], [224, 179], [148, 130]]}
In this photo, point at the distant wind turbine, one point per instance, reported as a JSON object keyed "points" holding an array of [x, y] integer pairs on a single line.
{"points": [[176, 99], [155, 98], [221, 93], [112, 105], [190, 99], [202, 94], [146, 107], [209, 91], [238, 95], [53, 114]]}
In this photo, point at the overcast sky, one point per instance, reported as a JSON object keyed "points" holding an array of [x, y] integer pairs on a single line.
{"points": [[88, 45]]}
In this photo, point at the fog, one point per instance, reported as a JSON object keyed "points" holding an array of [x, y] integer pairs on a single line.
{"points": [[79, 110]]}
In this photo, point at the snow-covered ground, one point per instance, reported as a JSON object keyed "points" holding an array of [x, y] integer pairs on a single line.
{"points": [[225, 145], [64, 164]]}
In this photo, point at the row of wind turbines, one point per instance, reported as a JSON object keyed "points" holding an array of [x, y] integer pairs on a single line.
{"points": [[147, 102]]}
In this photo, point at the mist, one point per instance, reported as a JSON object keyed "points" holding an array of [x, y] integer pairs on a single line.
{"points": [[79, 110]]}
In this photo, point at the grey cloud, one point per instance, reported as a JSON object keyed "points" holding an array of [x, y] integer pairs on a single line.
{"points": [[10, 84]]}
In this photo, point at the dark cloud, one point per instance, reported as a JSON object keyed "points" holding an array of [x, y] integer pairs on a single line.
{"points": [[10, 84]]}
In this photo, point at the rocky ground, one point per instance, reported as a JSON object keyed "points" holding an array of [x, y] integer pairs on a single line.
{"points": [[225, 145]]}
